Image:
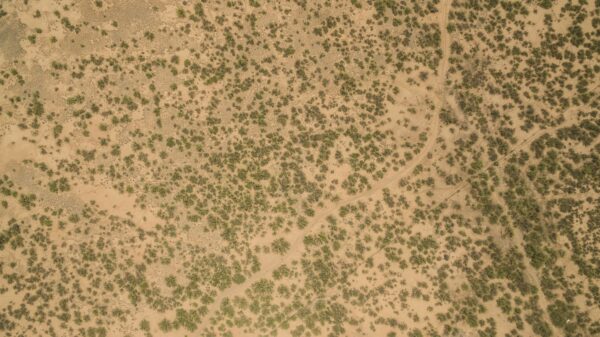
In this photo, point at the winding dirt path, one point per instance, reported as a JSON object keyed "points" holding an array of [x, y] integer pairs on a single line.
{"points": [[296, 250]]}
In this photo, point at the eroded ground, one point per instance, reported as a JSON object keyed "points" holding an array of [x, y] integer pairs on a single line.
{"points": [[299, 168]]}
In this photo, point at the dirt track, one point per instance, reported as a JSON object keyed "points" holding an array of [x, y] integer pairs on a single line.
{"points": [[271, 263]]}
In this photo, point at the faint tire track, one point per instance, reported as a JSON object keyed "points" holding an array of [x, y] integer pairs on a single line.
{"points": [[296, 247]]}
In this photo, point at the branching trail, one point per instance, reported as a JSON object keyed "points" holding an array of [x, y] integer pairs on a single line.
{"points": [[438, 96], [296, 250], [518, 239]]}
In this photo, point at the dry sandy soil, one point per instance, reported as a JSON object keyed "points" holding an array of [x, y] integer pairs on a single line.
{"points": [[328, 168]]}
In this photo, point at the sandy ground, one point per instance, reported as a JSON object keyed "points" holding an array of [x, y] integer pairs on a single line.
{"points": [[297, 169]]}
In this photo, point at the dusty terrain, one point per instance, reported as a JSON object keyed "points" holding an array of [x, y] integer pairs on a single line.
{"points": [[326, 168]]}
